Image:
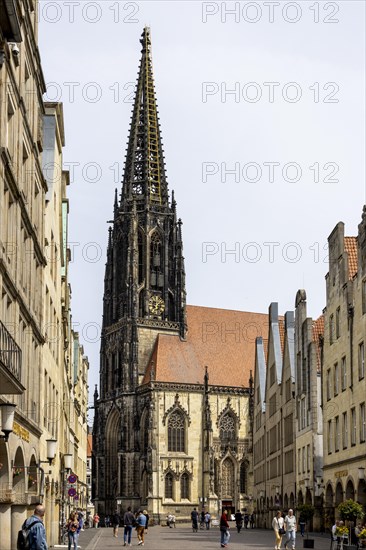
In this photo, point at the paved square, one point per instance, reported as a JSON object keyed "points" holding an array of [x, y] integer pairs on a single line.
{"points": [[182, 538]]}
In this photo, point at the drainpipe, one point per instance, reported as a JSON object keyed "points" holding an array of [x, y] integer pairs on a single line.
{"points": [[351, 311]]}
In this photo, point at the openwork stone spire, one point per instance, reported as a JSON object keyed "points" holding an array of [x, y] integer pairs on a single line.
{"points": [[144, 175]]}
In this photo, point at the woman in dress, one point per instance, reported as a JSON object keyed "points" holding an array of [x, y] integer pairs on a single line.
{"points": [[278, 527]]}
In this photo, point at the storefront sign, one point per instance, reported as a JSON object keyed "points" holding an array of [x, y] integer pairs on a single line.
{"points": [[21, 432]]}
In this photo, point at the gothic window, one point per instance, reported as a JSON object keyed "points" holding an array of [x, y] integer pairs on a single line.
{"points": [[243, 477], [227, 429], [169, 486], [184, 486], [141, 257], [156, 262], [176, 432], [227, 478]]}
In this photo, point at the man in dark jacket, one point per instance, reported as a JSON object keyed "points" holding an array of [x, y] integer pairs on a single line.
{"points": [[37, 533], [129, 522], [115, 523], [238, 520]]}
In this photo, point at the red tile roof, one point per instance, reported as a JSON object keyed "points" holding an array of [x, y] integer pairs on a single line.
{"points": [[318, 330], [350, 245], [89, 447], [221, 339]]}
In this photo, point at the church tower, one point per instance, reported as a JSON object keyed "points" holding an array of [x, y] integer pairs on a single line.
{"points": [[144, 295]]}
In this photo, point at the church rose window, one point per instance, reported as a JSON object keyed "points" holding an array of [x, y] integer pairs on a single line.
{"points": [[184, 486], [176, 432], [169, 486], [227, 478], [227, 429]]}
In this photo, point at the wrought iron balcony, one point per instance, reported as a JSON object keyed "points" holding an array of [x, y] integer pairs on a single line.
{"points": [[10, 363]]}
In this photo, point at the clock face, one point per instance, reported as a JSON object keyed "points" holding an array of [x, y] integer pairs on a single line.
{"points": [[156, 304]]}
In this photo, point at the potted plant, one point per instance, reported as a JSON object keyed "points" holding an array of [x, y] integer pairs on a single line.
{"points": [[349, 511], [306, 513]]}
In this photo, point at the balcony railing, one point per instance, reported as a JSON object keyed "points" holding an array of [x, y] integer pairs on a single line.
{"points": [[10, 362]]}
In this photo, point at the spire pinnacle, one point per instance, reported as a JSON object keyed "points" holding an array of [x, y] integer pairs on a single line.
{"points": [[144, 174]]}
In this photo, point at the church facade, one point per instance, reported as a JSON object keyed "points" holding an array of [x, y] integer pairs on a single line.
{"points": [[172, 425]]}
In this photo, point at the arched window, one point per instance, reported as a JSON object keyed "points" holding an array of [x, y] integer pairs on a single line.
{"points": [[243, 477], [156, 262], [227, 429], [168, 486], [184, 486], [227, 478], [176, 432]]}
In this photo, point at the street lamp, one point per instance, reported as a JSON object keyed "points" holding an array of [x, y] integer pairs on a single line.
{"points": [[7, 419], [67, 459]]}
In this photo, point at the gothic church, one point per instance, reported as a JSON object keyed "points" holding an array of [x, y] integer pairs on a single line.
{"points": [[172, 426]]}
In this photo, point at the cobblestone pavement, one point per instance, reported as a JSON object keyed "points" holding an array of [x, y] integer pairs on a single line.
{"points": [[182, 538]]}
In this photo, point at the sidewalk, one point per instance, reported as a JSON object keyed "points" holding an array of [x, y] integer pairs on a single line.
{"points": [[182, 538]]}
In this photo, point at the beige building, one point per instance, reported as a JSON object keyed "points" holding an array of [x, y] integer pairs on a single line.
{"points": [[43, 370], [274, 418], [343, 370], [309, 418]]}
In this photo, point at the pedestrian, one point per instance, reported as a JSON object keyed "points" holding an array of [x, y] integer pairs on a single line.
{"points": [[36, 530], [80, 519], [207, 520], [246, 520], [238, 520], [278, 527], [169, 520], [115, 523], [252, 520], [302, 524], [140, 528], [96, 520], [224, 529], [73, 530], [107, 521], [147, 520], [128, 522], [194, 518], [290, 527]]}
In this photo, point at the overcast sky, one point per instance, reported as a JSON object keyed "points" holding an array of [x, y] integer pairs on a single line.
{"points": [[291, 132]]}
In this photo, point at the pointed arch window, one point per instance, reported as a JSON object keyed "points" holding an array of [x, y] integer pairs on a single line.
{"points": [[243, 477], [227, 478], [169, 486], [184, 486], [156, 262], [141, 252], [176, 432], [227, 428]]}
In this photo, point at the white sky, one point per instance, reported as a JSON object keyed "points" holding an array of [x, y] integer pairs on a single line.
{"points": [[216, 129]]}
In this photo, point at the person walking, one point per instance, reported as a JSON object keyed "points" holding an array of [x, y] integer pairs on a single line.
{"points": [[36, 529], [252, 520], [128, 522], [73, 529], [194, 518], [302, 524], [238, 520], [207, 520], [224, 529], [278, 527], [115, 523], [246, 520], [147, 520], [290, 527], [96, 520], [140, 528]]}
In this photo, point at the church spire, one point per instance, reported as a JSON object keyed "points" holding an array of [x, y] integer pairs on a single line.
{"points": [[144, 175]]}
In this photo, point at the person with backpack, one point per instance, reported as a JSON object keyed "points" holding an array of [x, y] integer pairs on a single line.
{"points": [[32, 536], [73, 529]]}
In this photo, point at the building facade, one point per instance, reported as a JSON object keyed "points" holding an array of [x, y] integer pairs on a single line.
{"points": [[37, 344], [274, 458], [172, 418], [309, 337], [343, 370]]}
